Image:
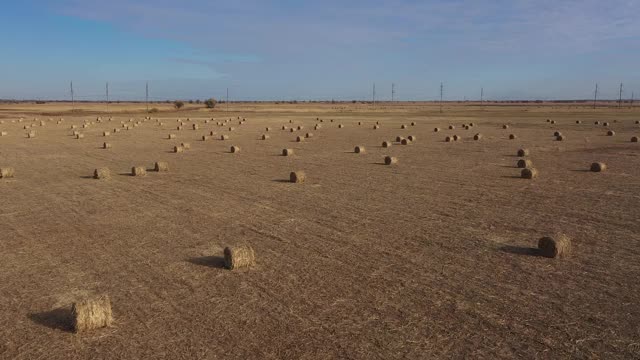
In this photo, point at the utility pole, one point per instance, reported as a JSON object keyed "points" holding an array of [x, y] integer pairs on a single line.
{"points": [[227, 101], [595, 96], [393, 91], [631, 104], [481, 96], [73, 103], [441, 91], [620, 100], [146, 95], [107, 88]]}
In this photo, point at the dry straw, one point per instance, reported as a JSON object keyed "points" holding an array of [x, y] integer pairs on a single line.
{"points": [[524, 163], [91, 314], [390, 160], [239, 257], [287, 152], [359, 149], [558, 245], [102, 174], [529, 173], [138, 171], [297, 177], [598, 167], [6, 172], [161, 166]]}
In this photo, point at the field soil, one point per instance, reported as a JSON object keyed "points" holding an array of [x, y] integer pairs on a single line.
{"points": [[433, 257]]}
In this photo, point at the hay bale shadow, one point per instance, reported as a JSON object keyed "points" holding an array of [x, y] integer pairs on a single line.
{"points": [[208, 261], [86, 177], [57, 319], [512, 176], [581, 170], [282, 180], [521, 250]]}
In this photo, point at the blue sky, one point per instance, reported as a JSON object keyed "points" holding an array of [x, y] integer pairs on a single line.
{"points": [[271, 50]]}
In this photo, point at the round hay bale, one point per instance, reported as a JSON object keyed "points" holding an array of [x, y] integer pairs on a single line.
{"points": [[634, 139], [116, 130], [85, 126], [359, 149], [553, 121], [194, 126], [178, 149], [292, 130], [558, 245], [375, 127], [448, 139], [290, 121], [512, 136], [239, 257], [90, 314], [3, 133], [411, 138], [390, 160], [7, 172], [265, 136], [456, 138], [605, 124], [340, 126], [231, 128], [386, 144], [560, 138], [529, 173], [299, 139], [451, 127], [405, 142], [403, 126], [106, 133], [171, 136], [106, 145], [505, 126], [73, 127], [32, 134], [102, 174], [297, 177], [578, 122], [548, 120], [413, 123], [300, 127], [436, 129], [524, 163], [138, 171], [267, 129], [224, 137], [597, 122], [399, 138], [205, 137], [611, 133], [80, 136], [466, 127], [471, 124], [179, 127], [186, 146], [598, 167], [477, 136], [523, 152], [637, 122], [161, 166], [308, 135], [235, 149], [212, 133], [557, 133], [359, 122], [287, 152]]}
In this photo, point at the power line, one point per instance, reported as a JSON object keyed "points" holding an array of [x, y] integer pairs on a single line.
{"points": [[146, 96], [227, 101], [374, 94], [595, 96], [73, 103], [441, 91], [620, 99], [107, 88], [393, 91]]}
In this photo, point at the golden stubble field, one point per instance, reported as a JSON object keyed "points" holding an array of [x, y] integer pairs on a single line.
{"points": [[433, 257]]}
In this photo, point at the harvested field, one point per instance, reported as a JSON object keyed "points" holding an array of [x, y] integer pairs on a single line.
{"points": [[434, 257]]}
